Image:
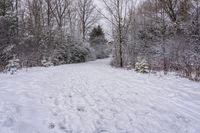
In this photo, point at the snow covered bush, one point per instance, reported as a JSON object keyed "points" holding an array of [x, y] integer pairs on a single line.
{"points": [[100, 47], [5, 56], [142, 66], [8, 39], [197, 76], [13, 66], [91, 54], [99, 43], [46, 63], [78, 54], [72, 52]]}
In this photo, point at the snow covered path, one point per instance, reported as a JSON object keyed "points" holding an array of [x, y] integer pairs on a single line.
{"points": [[95, 98]]}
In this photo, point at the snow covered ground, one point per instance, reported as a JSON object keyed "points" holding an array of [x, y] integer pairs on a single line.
{"points": [[95, 98]]}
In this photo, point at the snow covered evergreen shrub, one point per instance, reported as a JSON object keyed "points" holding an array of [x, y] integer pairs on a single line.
{"points": [[8, 39], [91, 55], [13, 66], [142, 66], [129, 66], [46, 63], [5, 56], [72, 52], [78, 54], [99, 43]]}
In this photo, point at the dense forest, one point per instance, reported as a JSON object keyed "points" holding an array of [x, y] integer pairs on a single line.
{"points": [[159, 34], [148, 35], [46, 32]]}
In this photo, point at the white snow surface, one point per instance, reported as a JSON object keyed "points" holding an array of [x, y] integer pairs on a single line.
{"points": [[93, 97]]}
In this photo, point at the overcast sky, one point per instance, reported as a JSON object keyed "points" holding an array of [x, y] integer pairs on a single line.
{"points": [[105, 23]]}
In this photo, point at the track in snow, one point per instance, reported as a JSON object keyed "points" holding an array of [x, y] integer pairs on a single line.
{"points": [[95, 98]]}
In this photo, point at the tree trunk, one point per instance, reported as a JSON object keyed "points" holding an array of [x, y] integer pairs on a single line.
{"points": [[120, 34]]}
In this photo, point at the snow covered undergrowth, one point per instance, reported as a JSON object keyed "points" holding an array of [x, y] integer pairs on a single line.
{"points": [[95, 98]]}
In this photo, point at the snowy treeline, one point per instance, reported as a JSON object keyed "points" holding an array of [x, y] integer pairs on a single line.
{"points": [[163, 32], [41, 32]]}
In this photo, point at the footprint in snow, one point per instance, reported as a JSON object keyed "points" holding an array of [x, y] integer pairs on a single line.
{"points": [[51, 126], [182, 118], [100, 127], [81, 109], [63, 128], [9, 122], [56, 102]]}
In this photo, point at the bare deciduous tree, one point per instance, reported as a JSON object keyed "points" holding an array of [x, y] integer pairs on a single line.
{"points": [[87, 15], [59, 9], [120, 11]]}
